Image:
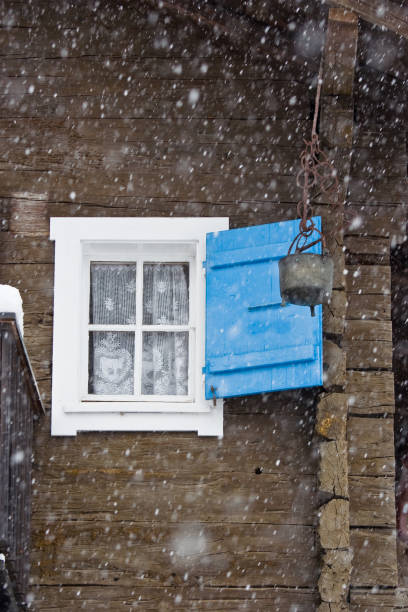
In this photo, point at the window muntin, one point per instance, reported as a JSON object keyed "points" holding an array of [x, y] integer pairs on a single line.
{"points": [[140, 330]]}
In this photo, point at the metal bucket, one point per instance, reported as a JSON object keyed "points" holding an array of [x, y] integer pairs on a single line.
{"points": [[306, 279]]}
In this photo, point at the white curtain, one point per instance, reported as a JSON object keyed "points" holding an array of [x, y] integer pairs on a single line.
{"points": [[113, 294], [111, 359], [111, 354], [165, 354]]}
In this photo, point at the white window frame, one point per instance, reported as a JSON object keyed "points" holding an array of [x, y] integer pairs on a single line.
{"points": [[76, 241]]}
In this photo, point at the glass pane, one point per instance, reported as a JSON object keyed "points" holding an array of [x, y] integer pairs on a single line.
{"points": [[165, 293], [165, 363], [113, 293], [111, 363]]}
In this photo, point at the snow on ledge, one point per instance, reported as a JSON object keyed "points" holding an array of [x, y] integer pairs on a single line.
{"points": [[10, 301]]}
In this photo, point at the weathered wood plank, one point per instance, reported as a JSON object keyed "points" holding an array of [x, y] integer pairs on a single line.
{"points": [[362, 249], [198, 186], [379, 140], [153, 156], [252, 599], [334, 365], [22, 249], [75, 69], [370, 392], [380, 191], [371, 447], [147, 131], [372, 501], [334, 313], [368, 307], [156, 98], [197, 496], [286, 450], [373, 220], [368, 330], [375, 559], [364, 600], [368, 279], [401, 596], [368, 354], [161, 554], [376, 160], [339, 73], [386, 14]]}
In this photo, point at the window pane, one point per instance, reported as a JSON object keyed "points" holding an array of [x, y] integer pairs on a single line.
{"points": [[165, 294], [111, 363], [165, 363], [113, 293]]}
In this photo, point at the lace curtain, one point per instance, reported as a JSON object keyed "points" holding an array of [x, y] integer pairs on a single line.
{"points": [[164, 355], [113, 294]]}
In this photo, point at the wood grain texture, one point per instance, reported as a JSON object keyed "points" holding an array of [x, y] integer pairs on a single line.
{"points": [[368, 307], [387, 13], [365, 600], [375, 559], [371, 447], [158, 554], [367, 250], [368, 280], [177, 597], [372, 501], [368, 344], [368, 354], [370, 392]]}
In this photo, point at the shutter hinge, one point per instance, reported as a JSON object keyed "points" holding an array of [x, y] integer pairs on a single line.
{"points": [[204, 263]]}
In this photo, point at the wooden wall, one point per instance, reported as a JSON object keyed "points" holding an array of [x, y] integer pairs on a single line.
{"points": [[124, 110], [376, 215]]}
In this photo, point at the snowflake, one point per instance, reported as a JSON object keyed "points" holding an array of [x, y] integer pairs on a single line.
{"points": [[109, 304]]}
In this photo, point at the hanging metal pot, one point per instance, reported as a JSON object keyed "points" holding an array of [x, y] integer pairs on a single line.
{"points": [[306, 279]]}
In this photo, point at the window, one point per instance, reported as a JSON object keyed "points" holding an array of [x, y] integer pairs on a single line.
{"points": [[156, 320], [129, 313]]}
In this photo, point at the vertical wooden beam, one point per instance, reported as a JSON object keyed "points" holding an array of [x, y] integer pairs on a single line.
{"points": [[336, 122], [336, 134]]}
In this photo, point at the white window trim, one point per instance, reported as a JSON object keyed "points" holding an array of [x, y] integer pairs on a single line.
{"points": [[70, 414]]}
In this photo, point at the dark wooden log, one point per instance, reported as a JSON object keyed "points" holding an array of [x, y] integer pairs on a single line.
{"points": [[370, 392], [368, 600], [369, 280], [384, 13], [157, 554], [368, 307], [177, 597], [375, 560], [372, 501], [371, 447]]}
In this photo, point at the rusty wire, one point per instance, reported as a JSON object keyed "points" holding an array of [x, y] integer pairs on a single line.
{"points": [[317, 176]]}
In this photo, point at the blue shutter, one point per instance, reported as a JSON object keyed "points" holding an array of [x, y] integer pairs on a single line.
{"points": [[253, 344]]}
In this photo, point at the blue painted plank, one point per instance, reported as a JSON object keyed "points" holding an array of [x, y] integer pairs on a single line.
{"points": [[253, 344]]}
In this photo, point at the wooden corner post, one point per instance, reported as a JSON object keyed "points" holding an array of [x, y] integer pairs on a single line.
{"points": [[336, 133]]}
